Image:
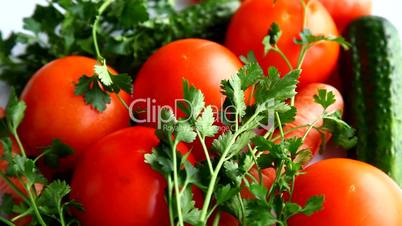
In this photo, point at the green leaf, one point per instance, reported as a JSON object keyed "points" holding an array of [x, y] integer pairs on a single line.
{"points": [[306, 37], [122, 82], [94, 95], [24, 166], [342, 134], [314, 204], [250, 73], [258, 215], [129, 12], [288, 116], [259, 191], [232, 88], [51, 197], [191, 214], [274, 87], [233, 172], [205, 123], [274, 34], [159, 160], [225, 193], [56, 151], [242, 141], [222, 142], [15, 111], [324, 98], [185, 132], [194, 100], [103, 74], [293, 144]]}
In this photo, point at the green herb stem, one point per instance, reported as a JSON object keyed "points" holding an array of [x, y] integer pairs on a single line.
{"points": [[217, 219], [101, 9], [35, 207], [123, 102], [7, 222], [214, 176], [170, 190], [279, 51], [13, 187], [278, 119], [205, 149], [176, 185], [19, 143]]}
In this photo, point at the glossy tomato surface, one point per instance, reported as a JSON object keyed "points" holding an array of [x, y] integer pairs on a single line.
{"points": [[203, 63], [345, 11], [55, 112], [116, 186], [252, 21], [356, 194]]}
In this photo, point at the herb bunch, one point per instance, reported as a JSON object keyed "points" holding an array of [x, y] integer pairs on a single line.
{"points": [[131, 31], [45, 201], [226, 174]]}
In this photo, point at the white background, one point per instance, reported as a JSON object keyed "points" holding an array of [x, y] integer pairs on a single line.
{"points": [[12, 12]]}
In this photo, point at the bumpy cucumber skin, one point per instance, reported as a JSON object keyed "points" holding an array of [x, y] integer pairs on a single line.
{"points": [[372, 73]]}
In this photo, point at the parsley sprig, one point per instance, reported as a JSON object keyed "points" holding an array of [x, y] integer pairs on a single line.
{"points": [[224, 175], [45, 201]]}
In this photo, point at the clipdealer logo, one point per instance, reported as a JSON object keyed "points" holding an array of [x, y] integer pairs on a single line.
{"points": [[148, 110]]}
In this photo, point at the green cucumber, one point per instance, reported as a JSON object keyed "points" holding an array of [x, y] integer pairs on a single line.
{"points": [[372, 73]]}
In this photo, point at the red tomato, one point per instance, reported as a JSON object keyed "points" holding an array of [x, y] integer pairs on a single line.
{"points": [[116, 186], [54, 111], [345, 11], [251, 22], [355, 194], [203, 63]]}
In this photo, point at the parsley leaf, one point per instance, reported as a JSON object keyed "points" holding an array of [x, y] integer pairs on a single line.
{"points": [[93, 93], [324, 98], [56, 151], [15, 111], [342, 134], [205, 123], [274, 34], [306, 37]]}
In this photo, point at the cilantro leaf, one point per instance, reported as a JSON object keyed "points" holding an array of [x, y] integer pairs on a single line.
{"points": [[56, 151], [225, 193], [185, 132], [270, 40], [306, 37], [89, 87], [26, 167], [275, 87], [314, 204], [103, 74], [205, 123], [194, 100], [259, 191], [250, 73], [232, 88], [324, 98], [122, 82], [342, 134], [15, 111]]}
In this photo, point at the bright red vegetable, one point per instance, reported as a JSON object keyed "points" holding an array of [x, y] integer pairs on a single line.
{"points": [[54, 111], [251, 23], [355, 194], [116, 186], [203, 63]]}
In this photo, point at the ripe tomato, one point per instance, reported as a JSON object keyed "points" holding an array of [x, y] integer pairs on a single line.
{"points": [[54, 111], [345, 11], [116, 186], [203, 63], [251, 22], [355, 194]]}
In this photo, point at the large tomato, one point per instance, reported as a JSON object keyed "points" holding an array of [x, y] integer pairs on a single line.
{"points": [[54, 111], [203, 63], [344, 11], [251, 22], [116, 186], [355, 194]]}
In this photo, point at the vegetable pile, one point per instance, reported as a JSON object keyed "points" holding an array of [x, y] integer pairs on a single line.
{"points": [[207, 115]]}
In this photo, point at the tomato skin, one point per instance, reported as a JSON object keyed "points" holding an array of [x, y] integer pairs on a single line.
{"points": [[203, 63], [251, 22], [345, 11], [54, 111], [116, 186], [356, 194]]}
